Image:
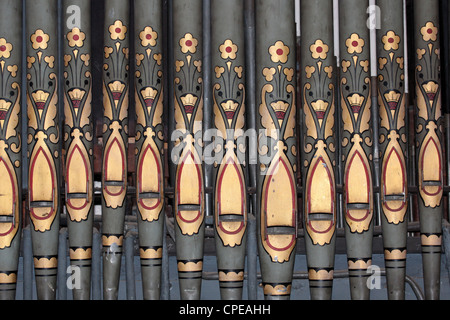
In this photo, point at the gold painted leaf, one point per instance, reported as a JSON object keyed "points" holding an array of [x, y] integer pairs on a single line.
{"points": [[266, 119], [159, 108], [14, 118]]}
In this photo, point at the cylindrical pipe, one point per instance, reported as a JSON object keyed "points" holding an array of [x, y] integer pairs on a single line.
{"points": [[129, 266], [187, 150], [10, 145], [277, 144], [208, 114], [393, 143], [62, 267], [319, 144], [27, 264], [78, 140], [43, 141], [115, 140], [149, 81], [230, 165], [252, 254], [429, 147], [165, 279], [96, 265], [356, 141]]}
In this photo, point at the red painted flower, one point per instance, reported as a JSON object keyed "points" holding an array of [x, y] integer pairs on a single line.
{"points": [[5, 48], [279, 52], [319, 50]]}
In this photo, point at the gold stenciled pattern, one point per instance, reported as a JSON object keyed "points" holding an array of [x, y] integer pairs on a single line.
{"points": [[149, 133], [43, 132], [188, 97], [115, 105], [355, 91], [10, 145], [392, 126], [319, 109], [77, 109], [278, 114], [229, 113], [428, 92]]}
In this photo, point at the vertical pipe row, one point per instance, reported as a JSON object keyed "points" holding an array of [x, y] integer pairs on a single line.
{"points": [[10, 145], [43, 141], [356, 141], [230, 187], [249, 7], [393, 143], [429, 130], [78, 140], [277, 144], [149, 79], [115, 140], [188, 143], [319, 143]]}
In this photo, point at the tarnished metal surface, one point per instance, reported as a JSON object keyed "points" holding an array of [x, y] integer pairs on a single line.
{"points": [[78, 141], [429, 128], [356, 141], [188, 136], [229, 96], [116, 77], [392, 106], [277, 144], [149, 82], [352, 143], [318, 83], [44, 179], [10, 145]]}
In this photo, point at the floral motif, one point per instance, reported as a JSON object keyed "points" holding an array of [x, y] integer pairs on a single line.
{"points": [[5, 48], [269, 73], [239, 71], [30, 62], [289, 73], [279, 52], [354, 44], [228, 50], [50, 60], [420, 53], [158, 58], [13, 70], [391, 41], [76, 38], [39, 40], [85, 58], [188, 43], [309, 71], [429, 32], [178, 65], [108, 51], [118, 30], [148, 37], [319, 50]]}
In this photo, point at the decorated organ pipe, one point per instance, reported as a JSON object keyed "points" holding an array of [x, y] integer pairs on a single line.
{"points": [[187, 152], [10, 146], [355, 161], [277, 145], [115, 140], [356, 142], [429, 143], [392, 106], [78, 142], [149, 80], [319, 143], [43, 139], [230, 212]]}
